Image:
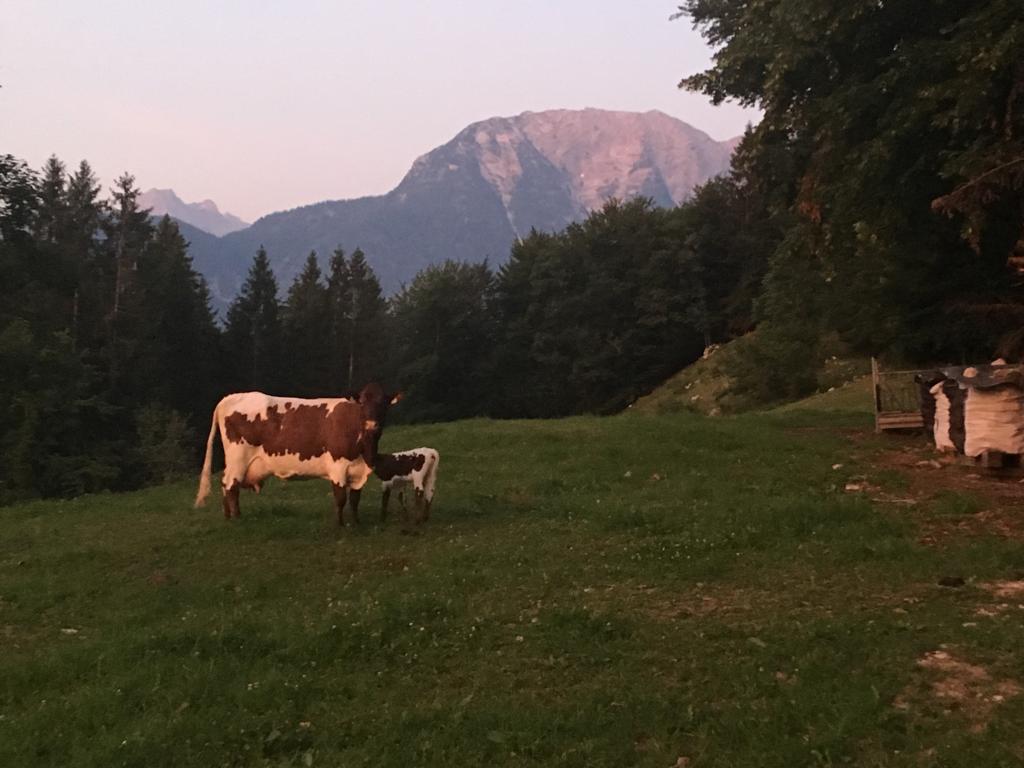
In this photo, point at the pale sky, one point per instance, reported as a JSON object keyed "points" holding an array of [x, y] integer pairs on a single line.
{"points": [[264, 106]]}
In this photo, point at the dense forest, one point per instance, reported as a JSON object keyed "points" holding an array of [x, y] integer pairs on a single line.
{"points": [[879, 205]]}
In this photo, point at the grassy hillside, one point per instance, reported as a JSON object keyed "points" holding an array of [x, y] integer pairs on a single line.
{"points": [[708, 386], [635, 590]]}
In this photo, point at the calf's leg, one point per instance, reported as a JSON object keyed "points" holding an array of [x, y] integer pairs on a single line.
{"points": [[419, 507]]}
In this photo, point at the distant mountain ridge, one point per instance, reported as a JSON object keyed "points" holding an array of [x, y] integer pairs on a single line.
{"points": [[204, 215], [470, 198]]}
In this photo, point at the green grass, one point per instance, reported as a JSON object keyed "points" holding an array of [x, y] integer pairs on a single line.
{"points": [[853, 396], [588, 592], [707, 386]]}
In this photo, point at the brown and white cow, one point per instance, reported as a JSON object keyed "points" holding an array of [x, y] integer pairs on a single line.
{"points": [[333, 438], [417, 468]]}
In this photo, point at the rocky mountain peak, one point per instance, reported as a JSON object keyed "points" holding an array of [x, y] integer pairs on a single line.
{"points": [[590, 154], [204, 215]]}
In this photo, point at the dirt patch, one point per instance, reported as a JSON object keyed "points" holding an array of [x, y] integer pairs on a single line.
{"points": [[160, 578], [908, 473], [958, 686], [1005, 590]]}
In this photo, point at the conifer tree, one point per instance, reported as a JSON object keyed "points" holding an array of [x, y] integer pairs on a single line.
{"points": [[177, 363], [51, 217], [253, 331], [85, 212], [366, 320], [84, 208], [128, 232], [338, 301], [306, 328]]}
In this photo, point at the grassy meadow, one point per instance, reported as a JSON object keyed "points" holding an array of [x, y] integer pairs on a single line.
{"points": [[641, 590]]}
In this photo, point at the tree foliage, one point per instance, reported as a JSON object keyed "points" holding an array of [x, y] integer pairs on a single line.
{"points": [[305, 327], [442, 339], [592, 317], [101, 315], [253, 332], [887, 114]]}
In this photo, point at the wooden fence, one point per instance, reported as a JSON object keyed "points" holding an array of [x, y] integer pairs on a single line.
{"points": [[897, 399]]}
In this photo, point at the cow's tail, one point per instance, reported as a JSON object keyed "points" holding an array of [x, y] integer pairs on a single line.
{"points": [[204, 478]]}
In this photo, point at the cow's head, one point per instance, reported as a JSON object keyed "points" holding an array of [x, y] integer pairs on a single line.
{"points": [[373, 406]]}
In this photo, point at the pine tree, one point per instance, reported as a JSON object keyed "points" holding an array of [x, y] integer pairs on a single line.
{"points": [[51, 218], [177, 363], [128, 232], [253, 332], [306, 327], [85, 213], [85, 210], [338, 302], [366, 316]]}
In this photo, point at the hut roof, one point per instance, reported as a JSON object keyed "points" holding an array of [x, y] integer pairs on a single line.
{"points": [[987, 376]]}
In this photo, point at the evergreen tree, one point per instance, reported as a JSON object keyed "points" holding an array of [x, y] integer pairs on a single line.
{"points": [[176, 363], [85, 210], [55, 252], [253, 332], [338, 303], [306, 328], [51, 218], [90, 298], [366, 320], [358, 322], [128, 231]]}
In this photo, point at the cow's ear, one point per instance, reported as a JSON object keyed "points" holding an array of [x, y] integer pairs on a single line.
{"points": [[397, 397]]}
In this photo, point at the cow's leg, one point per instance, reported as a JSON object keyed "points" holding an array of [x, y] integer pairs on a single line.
{"points": [[385, 497], [237, 459], [339, 501], [231, 506], [353, 496]]}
